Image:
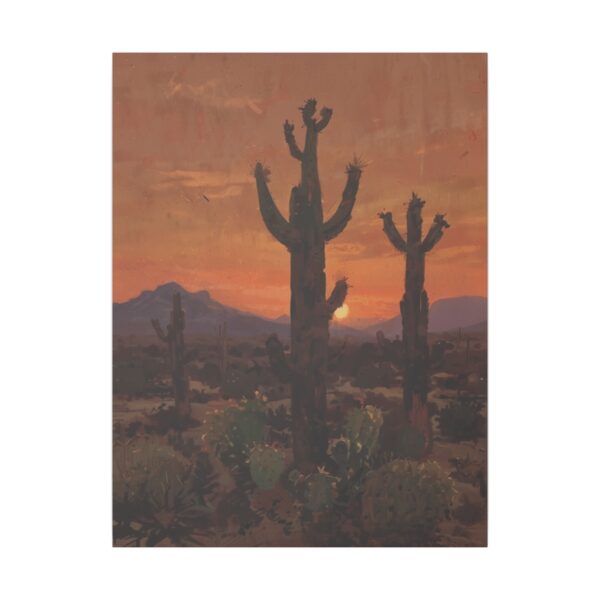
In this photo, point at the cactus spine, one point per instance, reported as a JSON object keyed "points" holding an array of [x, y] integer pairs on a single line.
{"points": [[414, 308], [304, 235], [177, 357]]}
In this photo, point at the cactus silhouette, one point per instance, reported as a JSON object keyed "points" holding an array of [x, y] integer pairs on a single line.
{"points": [[304, 236], [414, 308], [177, 355]]}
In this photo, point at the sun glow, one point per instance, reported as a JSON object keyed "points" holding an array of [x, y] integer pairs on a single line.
{"points": [[342, 312]]}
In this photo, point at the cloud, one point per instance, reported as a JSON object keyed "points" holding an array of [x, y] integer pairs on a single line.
{"points": [[178, 178], [346, 249], [212, 93]]}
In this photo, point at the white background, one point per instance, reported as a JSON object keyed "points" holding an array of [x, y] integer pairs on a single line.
{"points": [[55, 219]]}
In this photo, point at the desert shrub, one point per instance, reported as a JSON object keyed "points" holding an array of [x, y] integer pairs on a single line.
{"points": [[237, 384], [199, 397], [234, 431], [156, 493], [236, 351], [409, 443], [165, 418], [404, 501], [266, 465], [210, 374], [370, 376], [129, 379], [462, 419]]}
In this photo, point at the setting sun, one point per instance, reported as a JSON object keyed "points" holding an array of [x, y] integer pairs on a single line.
{"points": [[342, 312]]}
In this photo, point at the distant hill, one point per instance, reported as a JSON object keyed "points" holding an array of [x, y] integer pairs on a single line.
{"points": [[203, 315], [449, 314]]}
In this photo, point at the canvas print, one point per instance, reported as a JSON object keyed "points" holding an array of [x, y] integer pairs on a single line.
{"points": [[300, 300]]}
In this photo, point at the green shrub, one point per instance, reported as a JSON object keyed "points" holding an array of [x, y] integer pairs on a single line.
{"points": [[405, 501], [158, 494], [234, 431], [266, 466], [400, 441], [462, 419]]}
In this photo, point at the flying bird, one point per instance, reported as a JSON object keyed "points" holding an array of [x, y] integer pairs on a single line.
{"points": [[204, 196]]}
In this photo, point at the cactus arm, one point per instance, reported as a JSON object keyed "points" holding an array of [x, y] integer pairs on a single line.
{"points": [[435, 233], [338, 221], [337, 297], [308, 110], [392, 233], [159, 330], [288, 131], [275, 222], [325, 118], [277, 359]]}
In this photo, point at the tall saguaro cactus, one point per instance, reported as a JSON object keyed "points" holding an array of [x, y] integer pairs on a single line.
{"points": [[414, 308], [304, 235], [177, 357]]}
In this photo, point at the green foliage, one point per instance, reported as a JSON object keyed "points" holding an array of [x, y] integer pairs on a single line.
{"points": [[234, 431], [158, 494], [266, 466], [350, 455], [362, 427], [144, 471], [406, 500], [462, 419], [320, 491], [402, 442]]}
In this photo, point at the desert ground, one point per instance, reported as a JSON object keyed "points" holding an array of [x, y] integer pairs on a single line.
{"points": [[176, 483]]}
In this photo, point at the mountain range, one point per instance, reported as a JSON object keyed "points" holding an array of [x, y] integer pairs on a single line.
{"points": [[203, 315]]}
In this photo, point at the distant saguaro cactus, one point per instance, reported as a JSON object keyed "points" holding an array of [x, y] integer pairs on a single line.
{"points": [[415, 308], [304, 236], [177, 356], [223, 351]]}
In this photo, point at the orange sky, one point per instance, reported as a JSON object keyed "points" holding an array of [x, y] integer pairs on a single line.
{"points": [[187, 125]]}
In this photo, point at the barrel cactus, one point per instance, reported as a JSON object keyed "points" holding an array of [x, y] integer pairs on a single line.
{"points": [[266, 466], [406, 500]]}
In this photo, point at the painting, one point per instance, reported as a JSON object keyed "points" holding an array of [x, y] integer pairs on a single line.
{"points": [[299, 300]]}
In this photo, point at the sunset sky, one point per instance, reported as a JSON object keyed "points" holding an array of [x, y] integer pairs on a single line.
{"points": [[188, 125]]}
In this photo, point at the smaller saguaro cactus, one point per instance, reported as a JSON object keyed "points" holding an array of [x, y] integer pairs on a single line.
{"points": [[414, 308], [177, 356], [223, 350]]}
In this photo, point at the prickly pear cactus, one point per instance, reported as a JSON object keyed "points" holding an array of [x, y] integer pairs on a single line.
{"points": [[266, 466], [361, 428], [406, 499], [320, 491], [235, 430]]}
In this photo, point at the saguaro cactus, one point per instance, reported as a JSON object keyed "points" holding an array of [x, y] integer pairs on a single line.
{"points": [[414, 308], [177, 356], [223, 351], [304, 236]]}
